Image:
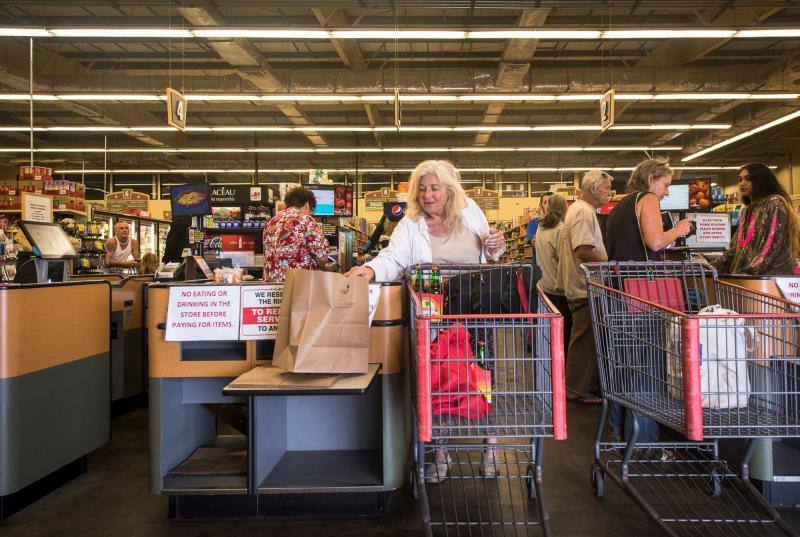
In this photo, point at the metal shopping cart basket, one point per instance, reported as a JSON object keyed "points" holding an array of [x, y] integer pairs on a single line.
{"points": [[704, 373], [487, 349]]}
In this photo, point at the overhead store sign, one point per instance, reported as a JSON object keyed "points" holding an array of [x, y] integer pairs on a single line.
{"points": [[486, 199], [226, 195], [176, 109], [127, 200], [374, 200], [607, 110]]}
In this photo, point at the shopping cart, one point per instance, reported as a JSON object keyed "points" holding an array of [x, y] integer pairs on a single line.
{"points": [[705, 377], [488, 366]]}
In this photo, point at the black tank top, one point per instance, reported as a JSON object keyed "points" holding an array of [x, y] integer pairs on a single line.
{"points": [[623, 239]]}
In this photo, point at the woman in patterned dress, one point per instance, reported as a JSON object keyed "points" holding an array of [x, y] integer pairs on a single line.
{"points": [[292, 238], [768, 239]]}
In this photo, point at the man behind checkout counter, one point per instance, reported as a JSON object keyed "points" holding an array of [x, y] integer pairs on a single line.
{"points": [[121, 249]]}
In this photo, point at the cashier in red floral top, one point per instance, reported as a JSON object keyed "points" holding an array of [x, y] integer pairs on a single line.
{"points": [[293, 239]]}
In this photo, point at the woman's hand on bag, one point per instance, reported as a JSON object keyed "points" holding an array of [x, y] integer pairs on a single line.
{"points": [[362, 272], [684, 227], [494, 241]]}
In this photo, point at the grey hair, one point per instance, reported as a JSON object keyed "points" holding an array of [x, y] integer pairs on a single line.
{"points": [[592, 178], [640, 178]]}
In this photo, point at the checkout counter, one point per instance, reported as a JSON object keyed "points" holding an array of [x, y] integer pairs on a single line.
{"points": [[128, 340], [775, 466], [54, 385], [219, 448]]}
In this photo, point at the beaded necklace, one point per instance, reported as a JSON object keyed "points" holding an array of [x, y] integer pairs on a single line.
{"points": [[742, 242]]}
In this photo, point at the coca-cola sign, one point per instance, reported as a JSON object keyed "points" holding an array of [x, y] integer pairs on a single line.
{"points": [[230, 243]]}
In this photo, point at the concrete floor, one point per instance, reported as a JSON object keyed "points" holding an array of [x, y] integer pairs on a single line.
{"points": [[113, 498]]}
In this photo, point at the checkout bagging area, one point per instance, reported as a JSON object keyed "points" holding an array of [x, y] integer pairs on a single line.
{"points": [[232, 435]]}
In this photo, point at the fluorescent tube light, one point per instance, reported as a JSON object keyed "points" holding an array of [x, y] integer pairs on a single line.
{"points": [[122, 32], [260, 33], [742, 136], [668, 34], [534, 34], [24, 32], [769, 32], [398, 34]]}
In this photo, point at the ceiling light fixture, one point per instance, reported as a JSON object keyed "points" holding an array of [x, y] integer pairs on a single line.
{"points": [[122, 32], [534, 34], [358, 128], [407, 98], [24, 32], [668, 34], [260, 33], [330, 150], [742, 136], [96, 171]]}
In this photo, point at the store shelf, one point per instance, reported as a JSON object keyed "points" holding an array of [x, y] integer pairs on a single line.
{"points": [[55, 211], [324, 471], [219, 467], [234, 230]]}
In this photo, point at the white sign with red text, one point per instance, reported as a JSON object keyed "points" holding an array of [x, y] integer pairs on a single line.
{"points": [[790, 287], [261, 305], [203, 313]]}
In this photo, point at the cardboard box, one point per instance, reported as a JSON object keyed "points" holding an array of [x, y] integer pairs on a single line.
{"points": [[37, 187]]}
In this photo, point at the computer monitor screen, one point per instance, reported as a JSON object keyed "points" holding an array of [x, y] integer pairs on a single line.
{"points": [[333, 200], [48, 240], [678, 199], [190, 200], [713, 230]]}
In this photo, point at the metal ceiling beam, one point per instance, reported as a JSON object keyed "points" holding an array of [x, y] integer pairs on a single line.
{"points": [[249, 63], [347, 49], [14, 76], [517, 58]]}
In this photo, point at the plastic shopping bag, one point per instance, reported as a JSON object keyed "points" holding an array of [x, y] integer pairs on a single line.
{"points": [[458, 385]]}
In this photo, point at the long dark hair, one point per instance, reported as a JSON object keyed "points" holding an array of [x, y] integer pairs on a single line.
{"points": [[765, 184]]}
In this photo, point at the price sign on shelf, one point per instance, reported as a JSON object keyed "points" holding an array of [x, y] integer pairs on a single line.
{"points": [[261, 306]]}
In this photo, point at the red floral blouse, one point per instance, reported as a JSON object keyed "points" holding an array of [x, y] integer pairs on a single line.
{"points": [[291, 240]]}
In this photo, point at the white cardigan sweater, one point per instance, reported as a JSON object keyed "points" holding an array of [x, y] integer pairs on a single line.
{"points": [[411, 244]]}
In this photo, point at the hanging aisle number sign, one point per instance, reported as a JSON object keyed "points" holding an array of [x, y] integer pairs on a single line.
{"points": [[176, 109], [607, 110]]}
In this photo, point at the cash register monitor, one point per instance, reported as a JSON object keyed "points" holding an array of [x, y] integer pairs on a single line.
{"points": [[48, 240]]}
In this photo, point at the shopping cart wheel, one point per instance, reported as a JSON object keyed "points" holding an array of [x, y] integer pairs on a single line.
{"points": [[714, 483], [530, 484], [598, 479]]}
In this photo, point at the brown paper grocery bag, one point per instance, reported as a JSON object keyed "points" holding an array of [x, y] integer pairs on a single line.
{"points": [[323, 326]]}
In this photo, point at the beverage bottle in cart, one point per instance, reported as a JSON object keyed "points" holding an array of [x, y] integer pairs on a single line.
{"points": [[435, 283], [480, 354], [420, 283]]}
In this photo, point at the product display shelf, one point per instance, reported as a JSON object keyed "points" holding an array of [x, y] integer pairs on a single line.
{"points": [[69, 212], [517, 246], [290, 453]]}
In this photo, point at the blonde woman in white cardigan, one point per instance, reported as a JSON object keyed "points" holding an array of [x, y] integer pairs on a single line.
{"points": [[441, 225]]}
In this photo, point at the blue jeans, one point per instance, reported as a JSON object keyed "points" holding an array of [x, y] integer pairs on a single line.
{"points": [[621, 421]]}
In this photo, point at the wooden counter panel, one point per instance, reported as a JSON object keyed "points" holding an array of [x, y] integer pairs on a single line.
{"points": [[391, 303], [42, 327], [113, 278], [130, 291], [387, 347], [165, 356]]}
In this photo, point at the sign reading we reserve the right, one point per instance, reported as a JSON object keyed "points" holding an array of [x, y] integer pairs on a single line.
{"points": [[261, 306]]}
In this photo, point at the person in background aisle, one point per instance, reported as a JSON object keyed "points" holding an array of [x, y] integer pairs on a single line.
{"points": [[292, 238], [768, 239], [582, 242], [635, 232], [546, 253], [149, 264], [533, 224], [177, 239], [121, 250], [441, 225]]}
